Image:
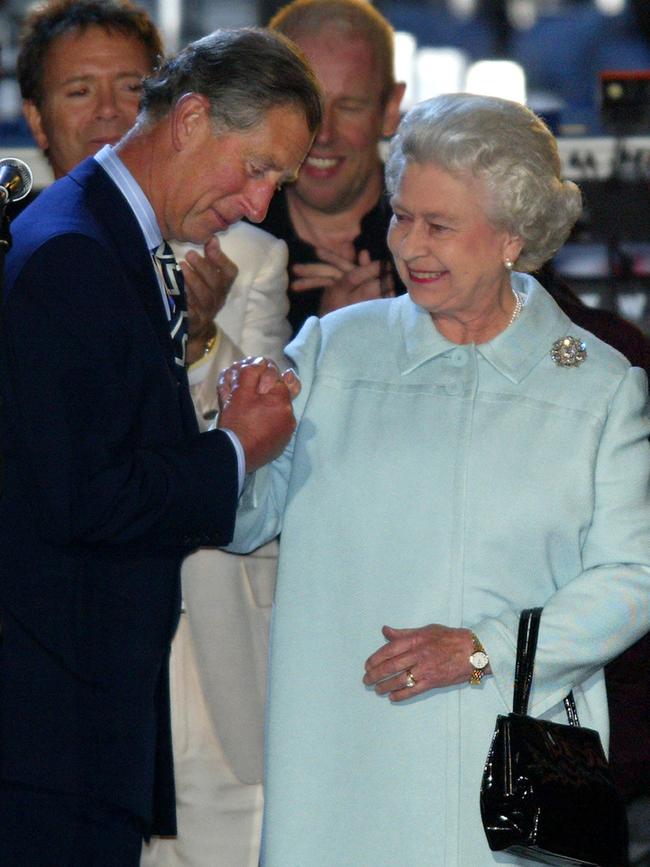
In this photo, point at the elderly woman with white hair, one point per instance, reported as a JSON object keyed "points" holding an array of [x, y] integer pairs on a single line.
{"points": [[462, 453]]}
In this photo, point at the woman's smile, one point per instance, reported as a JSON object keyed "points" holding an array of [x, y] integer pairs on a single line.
{"points": [[417, 276]]}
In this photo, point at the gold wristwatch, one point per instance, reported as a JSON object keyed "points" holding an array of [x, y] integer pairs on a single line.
{"points": [[479, 661]]}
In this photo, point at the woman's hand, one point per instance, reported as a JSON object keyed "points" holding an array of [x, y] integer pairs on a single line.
{"points": [[429, 658], [255, 404], [268, 375]]}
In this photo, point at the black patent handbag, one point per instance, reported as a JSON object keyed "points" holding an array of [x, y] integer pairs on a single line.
{"points": [[547, 792]]}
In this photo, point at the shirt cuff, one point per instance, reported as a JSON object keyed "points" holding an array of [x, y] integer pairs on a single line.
{"points": [[241, 458]]}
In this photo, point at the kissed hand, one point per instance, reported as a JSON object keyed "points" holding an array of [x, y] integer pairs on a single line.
{"points": [[255, 403]]}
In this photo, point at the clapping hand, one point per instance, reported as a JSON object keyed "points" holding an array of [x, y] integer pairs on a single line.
{"points": [[343, 281], [208, 280]]}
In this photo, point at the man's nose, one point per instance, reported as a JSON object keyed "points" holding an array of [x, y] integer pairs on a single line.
{"points": [[106, 103], [258, 198], [326, 130]]}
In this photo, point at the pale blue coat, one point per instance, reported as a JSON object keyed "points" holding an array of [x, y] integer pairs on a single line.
{"points": [[435, 483]]}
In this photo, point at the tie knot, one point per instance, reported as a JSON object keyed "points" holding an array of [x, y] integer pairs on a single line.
{"points": [[171, 272], [165, 254]]}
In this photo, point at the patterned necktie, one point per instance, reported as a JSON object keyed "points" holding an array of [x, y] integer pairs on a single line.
{"points": [[173, 282]]}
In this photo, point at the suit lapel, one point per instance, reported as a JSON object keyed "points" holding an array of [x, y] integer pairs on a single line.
{"points": [[124, 233]]}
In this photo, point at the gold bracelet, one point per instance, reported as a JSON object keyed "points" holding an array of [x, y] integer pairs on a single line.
{"points": [[478, 660], [207, 348], [209, 343]]}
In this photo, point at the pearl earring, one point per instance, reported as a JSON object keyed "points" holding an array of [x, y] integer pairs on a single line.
{"points": [[509, 264]]}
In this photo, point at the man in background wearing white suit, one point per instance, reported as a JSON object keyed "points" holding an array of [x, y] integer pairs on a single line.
{"points": [[79, 67]]}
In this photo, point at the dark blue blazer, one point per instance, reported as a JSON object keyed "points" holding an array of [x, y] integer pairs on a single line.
{"points": [[108, 484]]}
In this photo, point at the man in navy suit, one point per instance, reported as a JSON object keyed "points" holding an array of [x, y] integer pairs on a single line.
{"points": [[108, 483]]}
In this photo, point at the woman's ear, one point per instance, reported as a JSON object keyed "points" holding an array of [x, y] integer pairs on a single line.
{"points": [[512, 247]]}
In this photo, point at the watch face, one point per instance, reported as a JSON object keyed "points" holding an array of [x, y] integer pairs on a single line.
{"points": [[479, 659]]}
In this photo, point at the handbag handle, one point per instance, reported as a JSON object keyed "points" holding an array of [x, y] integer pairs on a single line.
{"points": [[526, 647]]}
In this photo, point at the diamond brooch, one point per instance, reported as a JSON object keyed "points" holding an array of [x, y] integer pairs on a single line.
{"points": [[569, 351]]}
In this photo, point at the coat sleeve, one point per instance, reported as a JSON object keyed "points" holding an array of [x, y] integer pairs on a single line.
{"points": [[606, 607], [97, 427], [262, 504]]}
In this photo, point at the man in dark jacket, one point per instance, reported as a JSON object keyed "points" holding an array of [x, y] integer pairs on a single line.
{"points": [[108, 483]]}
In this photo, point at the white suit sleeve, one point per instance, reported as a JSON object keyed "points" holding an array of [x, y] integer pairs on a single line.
{"points": [[254, 315], [265, 328]]}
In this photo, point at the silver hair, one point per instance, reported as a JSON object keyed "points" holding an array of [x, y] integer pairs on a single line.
{"points": [[243, 73], [510, 149]]}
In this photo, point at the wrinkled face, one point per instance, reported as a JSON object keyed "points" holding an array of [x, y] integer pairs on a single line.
{"points": [[215, 180], [344, 154], [91, 85], [449, 256]]}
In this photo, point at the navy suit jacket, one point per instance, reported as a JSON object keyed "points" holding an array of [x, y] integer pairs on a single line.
{"points": [[108, 484]]}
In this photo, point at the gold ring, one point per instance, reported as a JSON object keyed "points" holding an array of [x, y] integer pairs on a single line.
{"points": [[410, 680]]}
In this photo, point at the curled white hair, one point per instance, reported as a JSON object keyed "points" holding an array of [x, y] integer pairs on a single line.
{"points": [[510, 150]]}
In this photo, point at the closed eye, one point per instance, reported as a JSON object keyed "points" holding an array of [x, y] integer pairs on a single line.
{"points": [[256, 171], [437, 228], [352, 105]]}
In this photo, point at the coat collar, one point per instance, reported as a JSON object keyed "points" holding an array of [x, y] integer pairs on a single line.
{"points": [[114, 214], [513, 353]]}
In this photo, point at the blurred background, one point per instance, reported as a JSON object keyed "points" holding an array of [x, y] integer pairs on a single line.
{"points": [[584, 65]]}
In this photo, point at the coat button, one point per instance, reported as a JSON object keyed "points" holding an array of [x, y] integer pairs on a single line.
{"points": [[458, 357]]}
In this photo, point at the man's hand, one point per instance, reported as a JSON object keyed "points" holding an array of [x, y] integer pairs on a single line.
{"points": [[344, 282], [255, 403], [207, 282]]}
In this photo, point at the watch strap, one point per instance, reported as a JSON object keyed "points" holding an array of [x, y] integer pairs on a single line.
{"points": [[477, 673]]}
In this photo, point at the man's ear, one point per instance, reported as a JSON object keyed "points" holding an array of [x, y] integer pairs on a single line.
{"points": [[390, 118], [35, 122], [190, 117]]}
